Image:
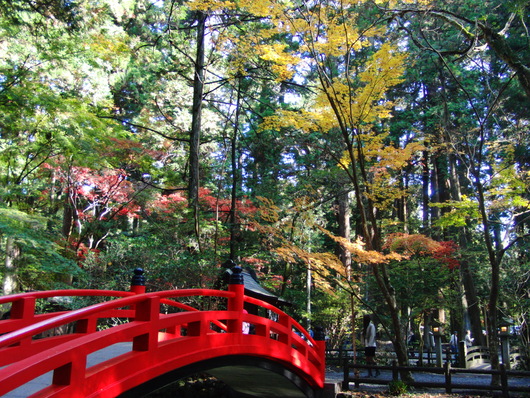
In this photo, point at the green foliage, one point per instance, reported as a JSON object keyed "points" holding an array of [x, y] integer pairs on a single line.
{"points": [[415, 118], [397, 388], [419, 283], [460, 214], [169, 263], [333, 313], [42, 263]]}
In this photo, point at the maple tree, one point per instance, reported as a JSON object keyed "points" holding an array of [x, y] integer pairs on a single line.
{"points": [[350, 98]]}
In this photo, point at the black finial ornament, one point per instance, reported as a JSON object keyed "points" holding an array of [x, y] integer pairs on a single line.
{"points": [[138, 279], [237, 277], [229, 263]]}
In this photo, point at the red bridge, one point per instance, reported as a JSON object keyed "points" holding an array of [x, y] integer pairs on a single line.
{"points": [[164, 340]]}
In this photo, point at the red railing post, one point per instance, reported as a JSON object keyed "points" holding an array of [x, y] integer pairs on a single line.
{"points": [[320, 339], [285, 321], [71, 374], [23, 309], [138, 281], [147, 311], [137, 285], [236, 285]]}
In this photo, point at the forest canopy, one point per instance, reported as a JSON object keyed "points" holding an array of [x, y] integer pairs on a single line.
{"points": [[357, 156]]}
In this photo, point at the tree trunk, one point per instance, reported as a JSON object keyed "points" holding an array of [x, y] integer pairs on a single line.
{"points": [[195, 132], [470, 301], [343, 219], [234, 227], [473, 308], [494, 256], [425, 191], [398, 339], [9, 284], [372, 237], [68, 218]]}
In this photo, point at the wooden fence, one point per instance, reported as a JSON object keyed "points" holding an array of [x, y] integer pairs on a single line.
{"points": [[449, 381], [338, 356], [470, 357]]}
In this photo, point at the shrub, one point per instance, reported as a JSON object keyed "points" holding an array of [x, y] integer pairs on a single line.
{"points": [[397, 387]]}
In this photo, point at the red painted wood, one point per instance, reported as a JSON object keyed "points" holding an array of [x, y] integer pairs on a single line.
{"points": [[161, 342]]}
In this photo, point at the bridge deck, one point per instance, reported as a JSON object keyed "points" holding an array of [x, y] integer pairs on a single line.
{"points": [[46, 379]]}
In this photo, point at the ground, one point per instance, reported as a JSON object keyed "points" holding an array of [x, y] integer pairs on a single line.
{"points": [[357, 394]]}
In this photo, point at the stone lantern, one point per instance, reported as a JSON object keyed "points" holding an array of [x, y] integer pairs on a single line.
{"points": [[504, 333], [437, 332]]}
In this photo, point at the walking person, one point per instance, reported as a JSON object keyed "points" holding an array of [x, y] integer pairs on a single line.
{"points": [[454, 344], [469, 340], [369, 343]]}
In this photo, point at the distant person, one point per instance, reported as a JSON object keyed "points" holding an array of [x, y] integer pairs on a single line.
{"points": [[245, 325], [412, 338], [369, 343], [412, 341], [454, 342], [469, 340]]}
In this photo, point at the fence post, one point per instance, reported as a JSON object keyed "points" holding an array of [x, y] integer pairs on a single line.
{"points": [[438, 349], [395, 373], [505, 349], [504, 381], [448, 355], [346, 376], [447, 371], [462, 352]]}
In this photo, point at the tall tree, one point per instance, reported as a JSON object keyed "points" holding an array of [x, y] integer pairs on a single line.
{"points": [[196, 113], [353, 72], [473, 43]]}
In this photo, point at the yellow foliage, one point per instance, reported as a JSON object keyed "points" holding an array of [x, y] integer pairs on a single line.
{"points": [[387, 162], [394, 3], [325, 266], [210, 5], [409, 245], [360, 254], [384, 70], [303, 120], [108, 48], [260, 8], [269, 211], [283, 61]]}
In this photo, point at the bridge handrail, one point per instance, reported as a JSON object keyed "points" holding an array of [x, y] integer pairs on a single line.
{"points": [[280, 313], [80, 293], [130, 299], [64, 293], [22, 311], [127, 299], [139, 308]]}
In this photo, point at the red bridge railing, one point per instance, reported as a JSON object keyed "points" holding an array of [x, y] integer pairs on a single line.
{"points": [[165, 333]]}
